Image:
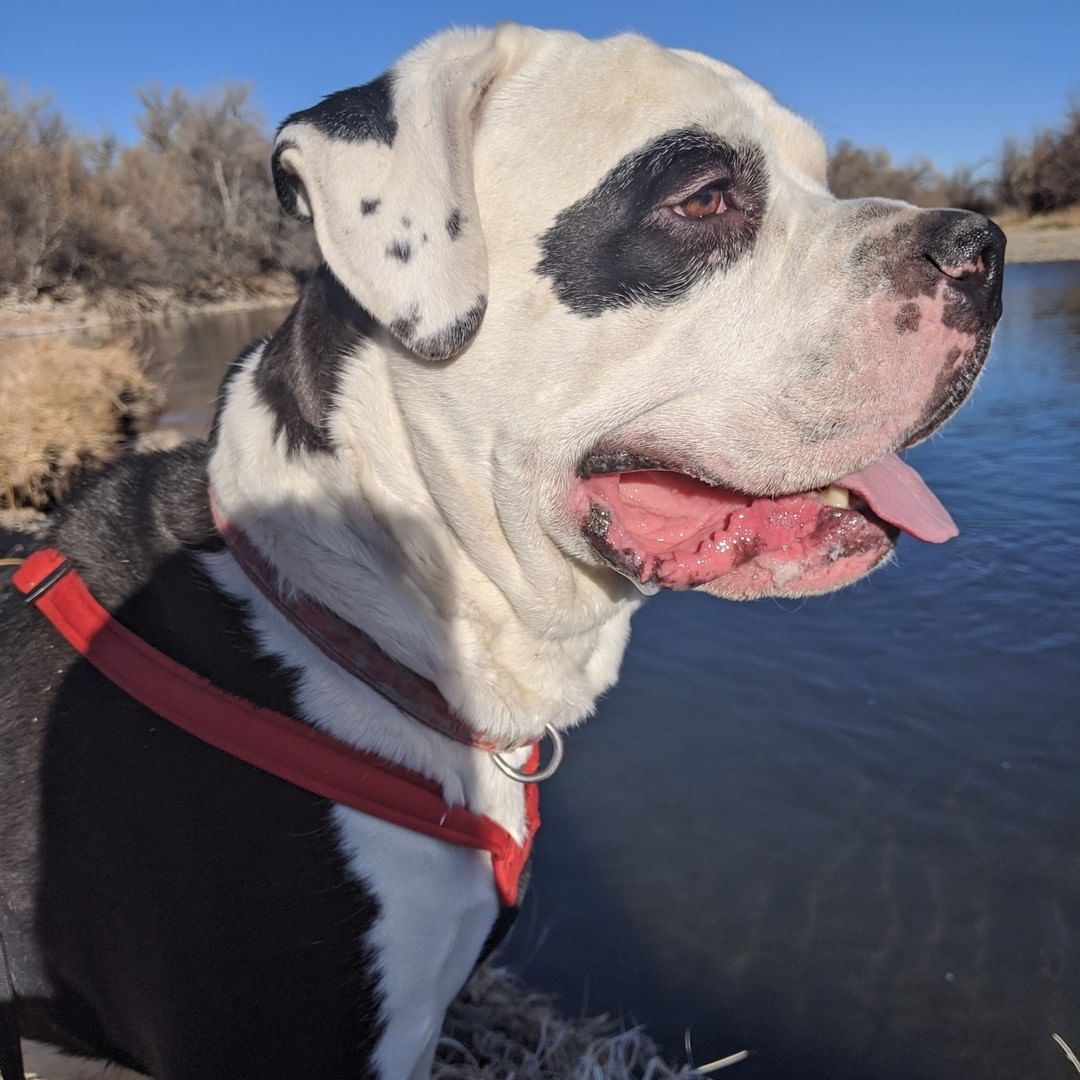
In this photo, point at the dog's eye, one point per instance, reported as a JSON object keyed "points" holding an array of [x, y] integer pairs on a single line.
{"points": [[705, 202]]}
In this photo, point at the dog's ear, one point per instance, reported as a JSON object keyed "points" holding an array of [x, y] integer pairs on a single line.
{"points": [[385, 171]]}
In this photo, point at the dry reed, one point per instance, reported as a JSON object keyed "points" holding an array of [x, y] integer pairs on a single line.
{"points": [[63, 409]]}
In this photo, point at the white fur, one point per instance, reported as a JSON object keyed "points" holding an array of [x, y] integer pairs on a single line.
{"points": [[441, 522], [437, 902]]}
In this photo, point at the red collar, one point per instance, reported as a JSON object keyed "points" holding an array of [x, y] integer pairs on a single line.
{"points": [[271, 741], [350, 648]]}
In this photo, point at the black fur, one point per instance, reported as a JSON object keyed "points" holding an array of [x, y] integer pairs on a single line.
{"points": [[447, 342], [453, 224], [620, 244], [369, 206], [400, 250], [285, 184], [231, 372], [908, 318], [300, 368], [404, 326], [165, 905], [357, 114]]}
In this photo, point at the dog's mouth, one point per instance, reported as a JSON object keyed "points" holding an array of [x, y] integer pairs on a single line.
{"points": [[665, 528]]}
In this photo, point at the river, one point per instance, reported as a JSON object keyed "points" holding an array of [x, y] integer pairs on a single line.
{"points": [[843, 834]]}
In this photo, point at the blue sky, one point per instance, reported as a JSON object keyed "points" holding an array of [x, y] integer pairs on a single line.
{"points": [[949, 80]]}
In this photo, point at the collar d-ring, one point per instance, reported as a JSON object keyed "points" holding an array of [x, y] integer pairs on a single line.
{"points": [[544, 773]]}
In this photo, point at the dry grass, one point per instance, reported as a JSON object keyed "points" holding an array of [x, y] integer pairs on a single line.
{"points": [[1066, 1049], [65, 408], [1069, 218], [498, 1029]]}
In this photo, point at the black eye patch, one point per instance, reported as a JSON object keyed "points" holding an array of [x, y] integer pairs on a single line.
{"points": [[622, 243]]}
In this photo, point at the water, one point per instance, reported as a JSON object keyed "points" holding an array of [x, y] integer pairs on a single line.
{"points": [[844, 834], [192, 353]]}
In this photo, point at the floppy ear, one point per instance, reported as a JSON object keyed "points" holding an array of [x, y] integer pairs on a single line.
{"points": [[385, 171]]}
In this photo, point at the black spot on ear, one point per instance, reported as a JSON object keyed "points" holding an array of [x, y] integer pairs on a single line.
{"points": [[453, 224], [404, 327], [369, 206], [447, 343], [400, 250], [621, 243], [357, 114], [300, 368]]}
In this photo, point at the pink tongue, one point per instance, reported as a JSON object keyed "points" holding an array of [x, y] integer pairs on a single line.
{"points": [[898, 494]]}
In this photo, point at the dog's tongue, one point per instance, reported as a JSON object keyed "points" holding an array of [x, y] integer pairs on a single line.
{"points": [[898, 494]]}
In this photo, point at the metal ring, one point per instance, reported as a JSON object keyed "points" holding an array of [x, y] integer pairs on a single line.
{"points": [[546, 772]]}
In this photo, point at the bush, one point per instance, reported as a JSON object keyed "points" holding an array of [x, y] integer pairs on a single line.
{"points": [[1046, 175], [857, 173], [190, 207], [1037, 178], [65, 408]]}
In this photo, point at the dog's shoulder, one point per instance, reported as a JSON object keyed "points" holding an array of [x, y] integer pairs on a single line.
{"points": [[117, 826], [137, 534], [118, 526]]}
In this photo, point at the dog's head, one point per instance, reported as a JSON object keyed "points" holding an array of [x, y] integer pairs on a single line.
{"points": [[631, 324]]}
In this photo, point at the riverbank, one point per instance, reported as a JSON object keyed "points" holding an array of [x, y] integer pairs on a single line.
{"points": [[64, 411], [1047, 238], [76, 309]]}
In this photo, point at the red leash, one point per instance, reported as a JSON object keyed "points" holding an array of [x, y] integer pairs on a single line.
{"points": [[275, 743]]}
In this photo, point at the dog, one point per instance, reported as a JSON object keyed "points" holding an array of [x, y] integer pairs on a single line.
{"points": [[589, 325]]}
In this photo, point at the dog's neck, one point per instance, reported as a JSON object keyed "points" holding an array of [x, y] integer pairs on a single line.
{"points": [[345, 496]]}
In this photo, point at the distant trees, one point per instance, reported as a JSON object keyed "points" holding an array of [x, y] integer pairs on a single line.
{"points": [[1045, 175], [855, 172], [190, 207], [1035, 177]]}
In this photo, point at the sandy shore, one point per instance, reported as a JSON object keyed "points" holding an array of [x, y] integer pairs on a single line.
{"points": [[78, 311], [1033, 245]]}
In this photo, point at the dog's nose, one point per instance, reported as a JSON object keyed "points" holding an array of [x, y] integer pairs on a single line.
{"points": [[968, 250]]}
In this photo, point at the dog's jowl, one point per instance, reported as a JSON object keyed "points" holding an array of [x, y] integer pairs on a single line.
{"points": [[561, 354]]}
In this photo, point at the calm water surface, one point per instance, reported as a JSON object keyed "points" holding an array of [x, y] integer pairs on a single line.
{"points": [[844, 834]]}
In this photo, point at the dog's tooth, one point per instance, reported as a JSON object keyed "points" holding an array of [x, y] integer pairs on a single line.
{"points": [[837, 496]]}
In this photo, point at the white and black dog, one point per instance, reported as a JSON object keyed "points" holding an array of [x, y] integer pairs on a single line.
{"points": [[590, 324]]}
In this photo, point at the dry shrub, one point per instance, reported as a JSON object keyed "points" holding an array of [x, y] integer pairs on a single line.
{"points": [[65, 408], [1040, 176], [857, 173], [190, 208], [498, 1029], [1043, 176]]}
